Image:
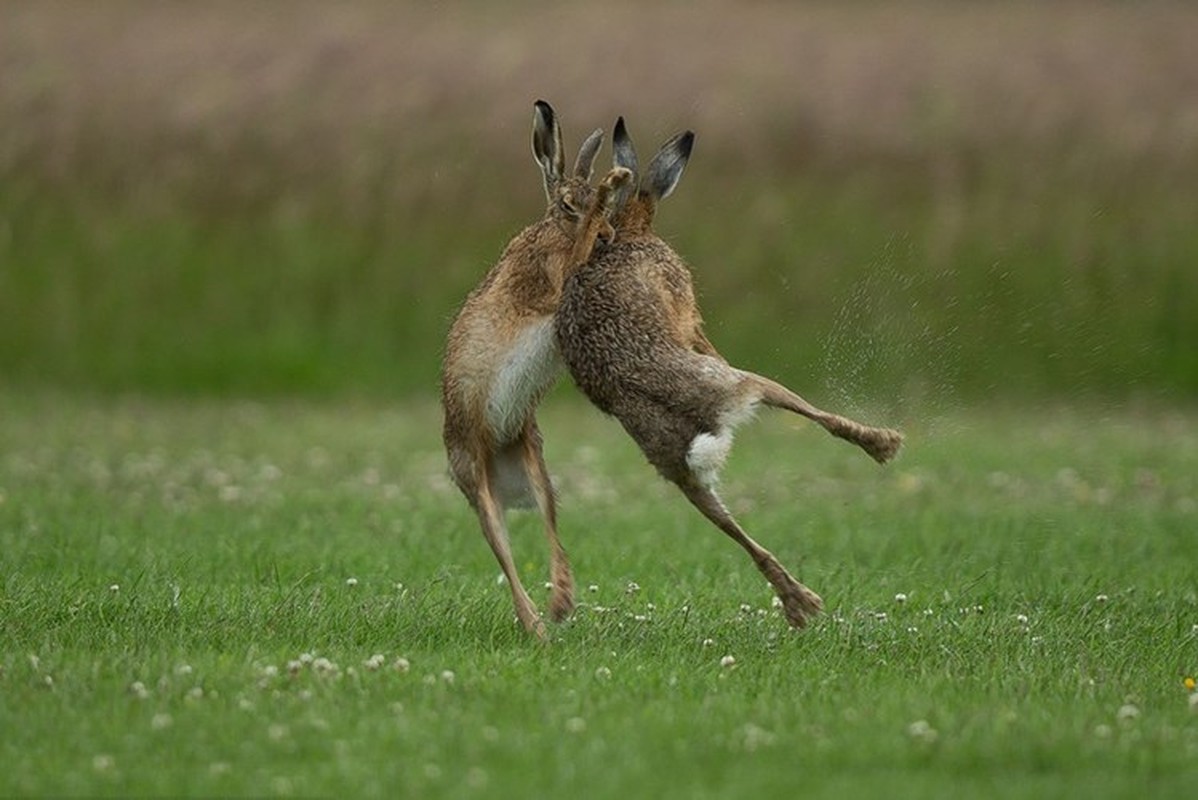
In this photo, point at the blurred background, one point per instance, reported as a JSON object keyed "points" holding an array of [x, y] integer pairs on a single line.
{"points": [[896, 204]]}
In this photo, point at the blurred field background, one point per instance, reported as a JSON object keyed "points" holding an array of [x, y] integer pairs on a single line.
{"points": [[901, 203]]}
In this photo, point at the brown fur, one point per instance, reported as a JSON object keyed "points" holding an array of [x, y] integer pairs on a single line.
{"points": [[630, 332], [500, 359]]}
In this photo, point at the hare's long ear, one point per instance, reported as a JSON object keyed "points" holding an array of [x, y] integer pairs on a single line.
{"points": [[666, 167], [547, 145], [586, 155], [623, 154]]}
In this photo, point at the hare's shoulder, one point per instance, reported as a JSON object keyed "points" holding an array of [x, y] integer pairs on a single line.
{"points": [[529, 272]]}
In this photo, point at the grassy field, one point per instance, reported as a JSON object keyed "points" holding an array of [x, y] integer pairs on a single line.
{"points": [[231, 598], [231, 563]]}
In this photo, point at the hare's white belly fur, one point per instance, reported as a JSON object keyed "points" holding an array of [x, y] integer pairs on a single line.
{"points": [[527, 371]]}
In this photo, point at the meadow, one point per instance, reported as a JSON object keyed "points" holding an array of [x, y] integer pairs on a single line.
{"points": [[210, 598], [231, 560]]}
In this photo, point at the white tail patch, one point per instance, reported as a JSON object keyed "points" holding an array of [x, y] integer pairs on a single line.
{"points": [[708, 452], [532, 366]]}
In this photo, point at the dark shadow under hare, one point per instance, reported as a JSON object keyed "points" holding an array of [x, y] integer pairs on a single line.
{"points": [[630, 332]]}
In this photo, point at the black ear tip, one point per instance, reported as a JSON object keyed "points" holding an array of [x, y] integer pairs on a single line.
{"points": [[543, 109], [686, 143]]}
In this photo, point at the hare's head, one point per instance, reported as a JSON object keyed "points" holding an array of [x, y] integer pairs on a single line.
{"points": [[569, 195], [636, 202]]}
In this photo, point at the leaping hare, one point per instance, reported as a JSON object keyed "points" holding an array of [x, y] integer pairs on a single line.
{"points": [[630, 332], [501, 358]]}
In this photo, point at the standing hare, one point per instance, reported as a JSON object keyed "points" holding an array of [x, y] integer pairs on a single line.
{"points": [[631, 335], [501, 358]]}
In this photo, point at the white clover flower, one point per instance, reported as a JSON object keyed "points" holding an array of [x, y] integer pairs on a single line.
{"points": [[880, 616], [183, 669], [447, 676], [900, 598], [1102, 598], [728, 661], [270, 671], [708, 642], [401, 664], [756, 737], [139, 690], [576, 725], [323, 665], [594, 587], [1193, 701], [603, 673], [351, 582], [374, 662], [745, 608], [161, 722], [294, 666], [632, 588], [776, 602], [277, 731], [922, 731], [306, 658], [195, 693], [1127, 712], [1021, 619], [1102, 731], [114, 588]]}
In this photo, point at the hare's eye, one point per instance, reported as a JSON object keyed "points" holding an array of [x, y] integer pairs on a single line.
{"points": [[566, 204]]}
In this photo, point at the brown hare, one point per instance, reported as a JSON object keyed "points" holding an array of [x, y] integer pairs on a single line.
{"points": [[631, 335], [501, 358]]}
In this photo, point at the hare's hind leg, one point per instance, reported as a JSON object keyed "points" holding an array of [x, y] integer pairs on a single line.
{"points": [[561, 603], [490, 515], [799, 602], [881, 443]]}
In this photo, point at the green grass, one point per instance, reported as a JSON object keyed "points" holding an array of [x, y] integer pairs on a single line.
{"points": [[231, 531]]}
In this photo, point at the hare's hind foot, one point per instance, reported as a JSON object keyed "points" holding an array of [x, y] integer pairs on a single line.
{"points": [[882, 444], [561, 601], [531, 621], [800, 604]]}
